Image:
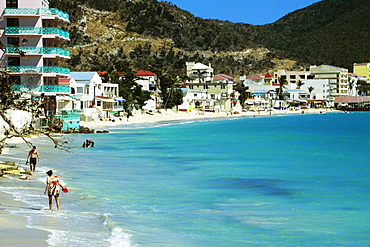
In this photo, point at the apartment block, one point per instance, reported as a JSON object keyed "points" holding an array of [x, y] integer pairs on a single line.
{"points": [[31, 34]]}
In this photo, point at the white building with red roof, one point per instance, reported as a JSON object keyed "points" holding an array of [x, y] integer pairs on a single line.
{"points": [[147, 79]]}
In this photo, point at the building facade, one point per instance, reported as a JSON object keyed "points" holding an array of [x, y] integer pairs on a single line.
{"points": [[98, 99], [219, 88], [362, 69], [292, 77], [337, 79], [32, 38]]}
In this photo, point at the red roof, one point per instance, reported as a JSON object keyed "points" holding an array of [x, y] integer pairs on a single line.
{"points": [[102, 97], [222, 77], [218, 78], [227, 76], [144, 73], [268, 75], [255, 77], [101, 72], [352, 99]]}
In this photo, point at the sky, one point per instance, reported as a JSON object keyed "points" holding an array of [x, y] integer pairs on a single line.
{"points": [[255, 12]]}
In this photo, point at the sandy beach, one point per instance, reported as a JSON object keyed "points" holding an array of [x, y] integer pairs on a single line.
{"points": [[178, 116], [13, 228]]}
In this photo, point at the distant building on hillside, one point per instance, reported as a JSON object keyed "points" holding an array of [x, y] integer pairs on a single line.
{"points": [[362, 69]]}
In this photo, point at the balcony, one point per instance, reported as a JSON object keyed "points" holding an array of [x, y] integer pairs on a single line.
{"points": [[28, 11], [42, 88], [38, 50], [37, 31], [38, 70]]}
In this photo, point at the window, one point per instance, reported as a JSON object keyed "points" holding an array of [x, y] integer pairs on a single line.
{"points": [[223, 86], [98, 103], [14, 61], [191, 86], [12, 22], [12, 3], [205, 87], [15, 79], [80, 90], [14, 41]]}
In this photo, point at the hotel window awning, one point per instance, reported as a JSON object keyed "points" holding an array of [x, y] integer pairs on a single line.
{"points": [[105, 99], [67, 97], [120, 99]]}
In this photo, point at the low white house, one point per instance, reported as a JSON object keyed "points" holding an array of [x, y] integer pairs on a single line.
{"points": [[148, 81], [194, 99], [98, 99]]}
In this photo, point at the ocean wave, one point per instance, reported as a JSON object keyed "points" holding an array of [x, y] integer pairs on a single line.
{"points": [[119, 238]]}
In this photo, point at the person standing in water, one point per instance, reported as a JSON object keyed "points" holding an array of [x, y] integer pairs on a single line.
{"points": [[33, 157], [52, 187]]}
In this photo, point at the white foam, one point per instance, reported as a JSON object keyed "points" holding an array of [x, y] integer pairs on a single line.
{"points": [[119, 238]]}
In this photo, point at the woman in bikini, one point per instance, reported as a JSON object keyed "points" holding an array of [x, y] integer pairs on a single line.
{"points": [[52, 187]]}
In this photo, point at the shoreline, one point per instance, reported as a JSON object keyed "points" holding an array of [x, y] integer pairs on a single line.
{"points": [[178, 116], [14, 228]]}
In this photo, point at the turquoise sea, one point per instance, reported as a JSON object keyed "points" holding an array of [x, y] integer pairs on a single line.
{"points": [[289, 180]]}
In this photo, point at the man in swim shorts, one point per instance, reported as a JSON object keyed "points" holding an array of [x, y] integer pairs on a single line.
{"points": [[33, 156]]}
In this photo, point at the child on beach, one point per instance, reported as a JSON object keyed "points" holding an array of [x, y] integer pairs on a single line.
{"points": [[52, 187]]}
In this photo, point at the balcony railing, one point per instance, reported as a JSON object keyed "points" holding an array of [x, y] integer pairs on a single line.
{"points": [[42, 88], [56, 12], [36, 31], [45, 69], [28, 11], [38, 50], [70, 112]]}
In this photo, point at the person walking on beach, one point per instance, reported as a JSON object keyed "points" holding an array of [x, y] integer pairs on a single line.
{"points": [[52, 187], [33, 157]]}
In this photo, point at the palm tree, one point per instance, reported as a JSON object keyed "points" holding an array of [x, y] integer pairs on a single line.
{"points": [[282, 82], [299, 84], [351, 85], [310, 89], [199, 74]]}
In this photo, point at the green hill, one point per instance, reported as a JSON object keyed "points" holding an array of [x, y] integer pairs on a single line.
{"points": [[114, 34]]}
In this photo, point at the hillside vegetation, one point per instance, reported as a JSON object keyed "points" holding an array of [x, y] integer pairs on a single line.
{"points": [[157, 36]]}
